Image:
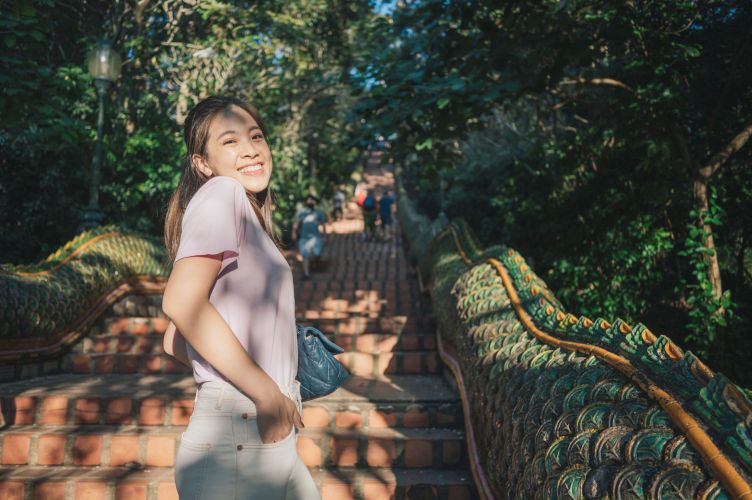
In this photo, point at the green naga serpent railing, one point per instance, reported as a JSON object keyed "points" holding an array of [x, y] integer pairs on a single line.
{"points": [[48, 306], [560, 406]]}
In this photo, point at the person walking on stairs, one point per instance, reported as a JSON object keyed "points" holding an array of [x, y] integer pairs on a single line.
{"points": [[306, 230], [369, 215], [338, 203], [230, 298], [386, 202]]}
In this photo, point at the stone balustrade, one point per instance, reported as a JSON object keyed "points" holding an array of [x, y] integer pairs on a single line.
{"points": [[563, 406]]}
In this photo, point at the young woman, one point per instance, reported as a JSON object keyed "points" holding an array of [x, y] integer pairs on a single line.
{"points": [[230, 295]]}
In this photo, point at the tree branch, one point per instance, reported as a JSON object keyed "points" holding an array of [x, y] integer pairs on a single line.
{"points": [[598, 81], [732, 147]]}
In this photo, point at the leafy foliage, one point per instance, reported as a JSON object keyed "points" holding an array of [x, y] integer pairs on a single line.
{"points": [[574, 131], [291, 59]]}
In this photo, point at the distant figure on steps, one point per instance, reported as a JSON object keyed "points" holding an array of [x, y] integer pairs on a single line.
{"points": [[306, 229], [386, 202]]}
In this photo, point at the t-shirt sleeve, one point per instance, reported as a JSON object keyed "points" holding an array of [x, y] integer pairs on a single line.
{"points": [[213, 222]]}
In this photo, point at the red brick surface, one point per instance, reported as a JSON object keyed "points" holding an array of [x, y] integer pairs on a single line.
{"points": [[181, 411], [128, 363], [152, 412], [418, 453], [124, 449], [49, 490], [81, 363], [16, 449], [139, 327], [348, 420], [23, 408], [125, 344], [379, 418], [167, 491], [51, 449], [336, 490], [101, 345], [119, 411], [159, 325], [310, 452], [91, 490], [456, 492], [360, 363], [119, 326], [416, 416], [11, 490], [87, 450], [315, 417], [54, 409], [151, 364], [377, 490], [381, 452], [160, 451], [146, 344], [86, 411], [452, 452], [131, 490], [344, 452], [104, 364]]}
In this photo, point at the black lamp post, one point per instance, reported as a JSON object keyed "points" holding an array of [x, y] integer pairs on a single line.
{"points": [[104, 66]]}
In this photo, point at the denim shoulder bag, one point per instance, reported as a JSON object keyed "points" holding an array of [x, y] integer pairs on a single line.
{"points": [[319, 372]]}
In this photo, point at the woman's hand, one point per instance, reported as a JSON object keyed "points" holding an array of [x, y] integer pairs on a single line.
{"points": [[275, 417]]}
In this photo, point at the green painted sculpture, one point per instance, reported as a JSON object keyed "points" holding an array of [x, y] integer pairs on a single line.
{"points": [[568, 407], [47, 306]]}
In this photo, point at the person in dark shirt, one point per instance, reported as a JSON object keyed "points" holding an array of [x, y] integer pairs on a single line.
{"points": [[369, 215], [385, 215]]}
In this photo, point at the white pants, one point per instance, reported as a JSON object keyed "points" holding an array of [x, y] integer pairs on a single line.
{"points": [[221, 455]]}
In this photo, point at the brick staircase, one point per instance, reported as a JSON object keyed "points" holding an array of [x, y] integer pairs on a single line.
{"points": [[110, 426]]}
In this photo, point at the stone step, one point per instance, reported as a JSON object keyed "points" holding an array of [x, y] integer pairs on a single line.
{"points": [[159, 400], [357, 363], [146, 330], [331, 296], [388, 306], [150, 342], [157, 483], [346, 483], [387, 363], [389, 325], [132, 445]]}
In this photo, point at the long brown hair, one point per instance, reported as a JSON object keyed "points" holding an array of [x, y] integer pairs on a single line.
{"points": [[196, 135]]}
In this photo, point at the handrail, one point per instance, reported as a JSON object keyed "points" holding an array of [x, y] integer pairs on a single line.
{"points": [[719, 463], [634, 352], [46, 307]]}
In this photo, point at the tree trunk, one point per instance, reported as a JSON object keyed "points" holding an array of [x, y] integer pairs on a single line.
{"points": [[711, 258], [702, 178]]}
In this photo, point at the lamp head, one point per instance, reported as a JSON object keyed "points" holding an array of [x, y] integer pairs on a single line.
{"points": [[103, 62]]}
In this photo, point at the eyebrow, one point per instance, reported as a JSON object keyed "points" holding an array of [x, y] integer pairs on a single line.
{"points": [[226, 132]]}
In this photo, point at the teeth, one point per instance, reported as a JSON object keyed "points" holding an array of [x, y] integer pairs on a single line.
{"points": [[252, 168]]}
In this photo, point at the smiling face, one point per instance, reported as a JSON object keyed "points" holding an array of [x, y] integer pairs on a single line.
{"points": [[236, 147]]}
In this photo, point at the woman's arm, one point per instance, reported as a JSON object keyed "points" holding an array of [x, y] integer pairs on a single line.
{"points": [[186, 303], [174, 345]]}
